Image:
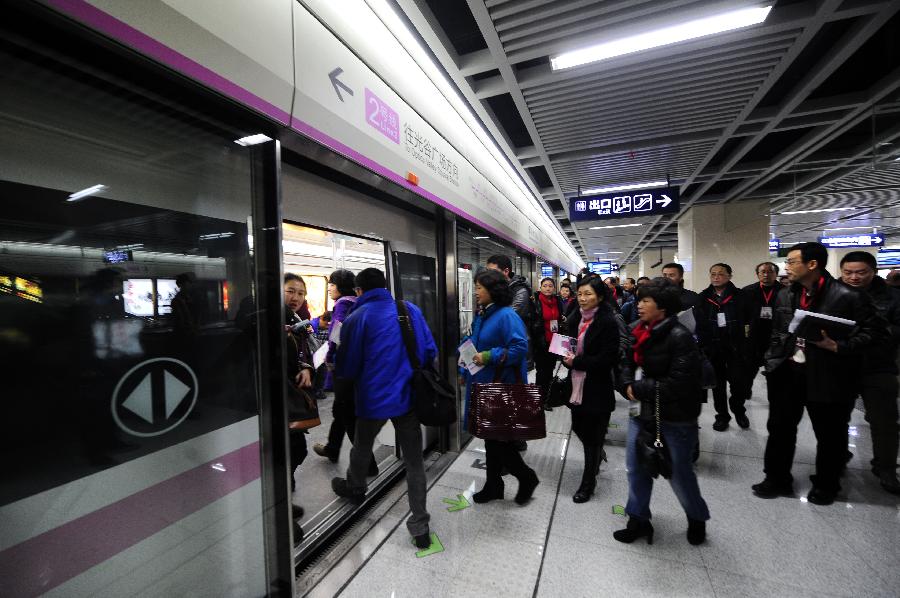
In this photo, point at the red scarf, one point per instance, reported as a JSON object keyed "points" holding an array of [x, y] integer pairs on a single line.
{"points": [[641, 334], [807, 301], [550, 311]]}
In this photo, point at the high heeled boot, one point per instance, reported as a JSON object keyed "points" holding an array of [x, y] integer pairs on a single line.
{"points": [[493, 485], [589, 477], [696, 531], [636, 528]]}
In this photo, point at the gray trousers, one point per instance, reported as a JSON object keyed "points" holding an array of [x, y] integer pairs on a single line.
{"points": [[409, 437]]}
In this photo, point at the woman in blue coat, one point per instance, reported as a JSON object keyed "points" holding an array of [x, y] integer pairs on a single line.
{"points": [[499, 336]]}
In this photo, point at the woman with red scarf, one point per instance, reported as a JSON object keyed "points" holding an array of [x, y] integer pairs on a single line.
{"points": [[551, 315], [591, 374], [661, 372]]}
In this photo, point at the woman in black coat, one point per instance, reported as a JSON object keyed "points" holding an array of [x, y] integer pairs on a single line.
{"points": [[591, 374], [662, 366]]}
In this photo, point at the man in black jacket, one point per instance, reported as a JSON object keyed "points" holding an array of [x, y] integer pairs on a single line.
{"points": [[879, 386], [675, 273], [817, 375], [760, 297], [722, 315]]}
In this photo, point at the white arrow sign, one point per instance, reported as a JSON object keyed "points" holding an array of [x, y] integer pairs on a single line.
{"points": [[665, 201]]}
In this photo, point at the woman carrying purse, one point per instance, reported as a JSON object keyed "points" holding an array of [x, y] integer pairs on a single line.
{"points": [[661, 373], [501, 340], [591, 374]]}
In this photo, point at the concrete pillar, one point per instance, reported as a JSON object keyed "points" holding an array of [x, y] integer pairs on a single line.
{"points": [[736, 234], [836, 255], [650, 257]]}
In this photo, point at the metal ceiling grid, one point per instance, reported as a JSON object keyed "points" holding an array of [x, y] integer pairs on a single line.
{"points": [[767, 111]]}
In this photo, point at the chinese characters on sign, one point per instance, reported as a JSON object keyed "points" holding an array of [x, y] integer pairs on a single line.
{"points": [[382, 117], [423, 150], [619, 205]]}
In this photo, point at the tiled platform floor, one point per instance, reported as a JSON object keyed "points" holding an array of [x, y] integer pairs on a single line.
{"points": [[553, 547]]}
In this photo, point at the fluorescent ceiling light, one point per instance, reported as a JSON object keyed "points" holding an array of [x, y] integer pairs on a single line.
{"points": [[614, 226], [86, 192], [628, 187], [253, 139], [831, 230], [719, 23], [815, 211], [481, 237]]}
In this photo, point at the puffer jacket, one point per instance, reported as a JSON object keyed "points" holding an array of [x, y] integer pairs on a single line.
{"points": [[672, 360], [521, 299], [831, 377]]}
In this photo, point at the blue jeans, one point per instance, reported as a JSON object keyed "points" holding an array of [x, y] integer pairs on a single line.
{"points": [[680, 438]]}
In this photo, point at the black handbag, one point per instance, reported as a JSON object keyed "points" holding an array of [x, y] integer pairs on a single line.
{"points": [[434, 400], [653, 455], [560, 390]]}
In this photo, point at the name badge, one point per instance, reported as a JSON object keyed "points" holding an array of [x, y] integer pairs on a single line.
{"points": [[554, 326], [638, 374], [765, 313], [721, 319]]}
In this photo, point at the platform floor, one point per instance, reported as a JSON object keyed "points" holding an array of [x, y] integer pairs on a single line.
{"points": [[554, 547]]}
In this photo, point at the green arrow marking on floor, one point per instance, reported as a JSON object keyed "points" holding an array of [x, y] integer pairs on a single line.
{"points": [[618, 510], [457, 504], [612, 425], [435, 547]]}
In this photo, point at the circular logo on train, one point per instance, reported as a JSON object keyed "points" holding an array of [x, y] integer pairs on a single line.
{"points": [[154, 396]]}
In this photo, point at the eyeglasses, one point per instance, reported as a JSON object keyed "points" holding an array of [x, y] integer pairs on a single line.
{"points": [[792, 262]]}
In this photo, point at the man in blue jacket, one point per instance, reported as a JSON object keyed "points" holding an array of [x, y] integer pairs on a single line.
{"points": [[372, 354]]}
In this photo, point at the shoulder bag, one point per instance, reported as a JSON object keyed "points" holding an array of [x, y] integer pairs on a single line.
{"points": [[652, 454], [560, 389], [503, 411], [434, 399]]}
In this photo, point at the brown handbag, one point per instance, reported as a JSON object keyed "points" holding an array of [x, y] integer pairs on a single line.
{"points": [[302, 406], [504, 411]]}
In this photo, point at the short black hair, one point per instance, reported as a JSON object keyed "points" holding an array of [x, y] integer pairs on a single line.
{"points": [[370, 279], [631, 279], [344, 280], [812, 251], [326, 315], [861, 256], [600, 287], [665, 293], [640, 278], [675, 265], [761, 264], [496, 284], [548, 278], [721, 265], [501, 261], [289, 276]]}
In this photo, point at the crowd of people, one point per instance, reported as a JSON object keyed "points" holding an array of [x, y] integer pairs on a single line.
{"points": [[660, 346]]}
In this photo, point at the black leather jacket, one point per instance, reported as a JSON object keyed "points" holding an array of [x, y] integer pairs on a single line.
{"points": [[521, 299], [831, 377], [671, 359], [732, 338], [881, 358], [760, 328]]}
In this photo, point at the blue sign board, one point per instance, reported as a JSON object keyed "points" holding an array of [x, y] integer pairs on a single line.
{"points": [[546, 270], [600, 267], [774, 245], [624, 204], [888, 258], [868, 240]]}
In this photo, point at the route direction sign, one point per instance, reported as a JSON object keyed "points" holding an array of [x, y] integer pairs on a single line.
{"points": [[625, 204]]}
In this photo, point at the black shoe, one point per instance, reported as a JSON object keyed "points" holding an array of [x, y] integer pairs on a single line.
{"points": [[296, 512], [635, 529], [890, 482], [817, 496], [323, 451], [585, 491], [298, 534], [526, 487], [373, 469], [770, 489], [696, 532], [720, 425], [423, 541], [742, 420], [520, 445], [848, 457], [341, 488], [489, 492]]}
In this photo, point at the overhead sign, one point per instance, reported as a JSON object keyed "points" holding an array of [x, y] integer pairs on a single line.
{"points": [[546, 270], [774, 245], [154, 396], [888, 258], [600, 267], [870, 240], [625, 204]]}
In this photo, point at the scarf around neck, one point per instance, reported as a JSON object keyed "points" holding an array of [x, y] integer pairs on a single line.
{"points": [[578, 376]]}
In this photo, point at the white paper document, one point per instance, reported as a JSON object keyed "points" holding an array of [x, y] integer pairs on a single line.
{"points": [[563, 345], [319, 355], [801, 314], [467, 353]]}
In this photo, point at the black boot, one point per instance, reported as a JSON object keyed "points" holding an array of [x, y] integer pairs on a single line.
{"points": [[696, 531], [527, 483], [493, 486], [493, 490], [636, 528], [589, 477]]}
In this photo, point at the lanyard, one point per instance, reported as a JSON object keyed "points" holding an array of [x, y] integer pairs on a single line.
{"points": [[724, 301], [806, 301], [768, 297]]}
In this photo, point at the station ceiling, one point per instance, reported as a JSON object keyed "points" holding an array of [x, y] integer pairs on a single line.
{"points": [[800, 112]]}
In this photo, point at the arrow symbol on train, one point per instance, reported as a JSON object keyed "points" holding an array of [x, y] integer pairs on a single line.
{"points": [[338, 84], [665, 201]]}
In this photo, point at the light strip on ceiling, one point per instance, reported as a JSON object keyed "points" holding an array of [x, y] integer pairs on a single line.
{"points": [[628, 187], [253, 140], [614, 226], [711, 25], [94, 190], [814, 211]]}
